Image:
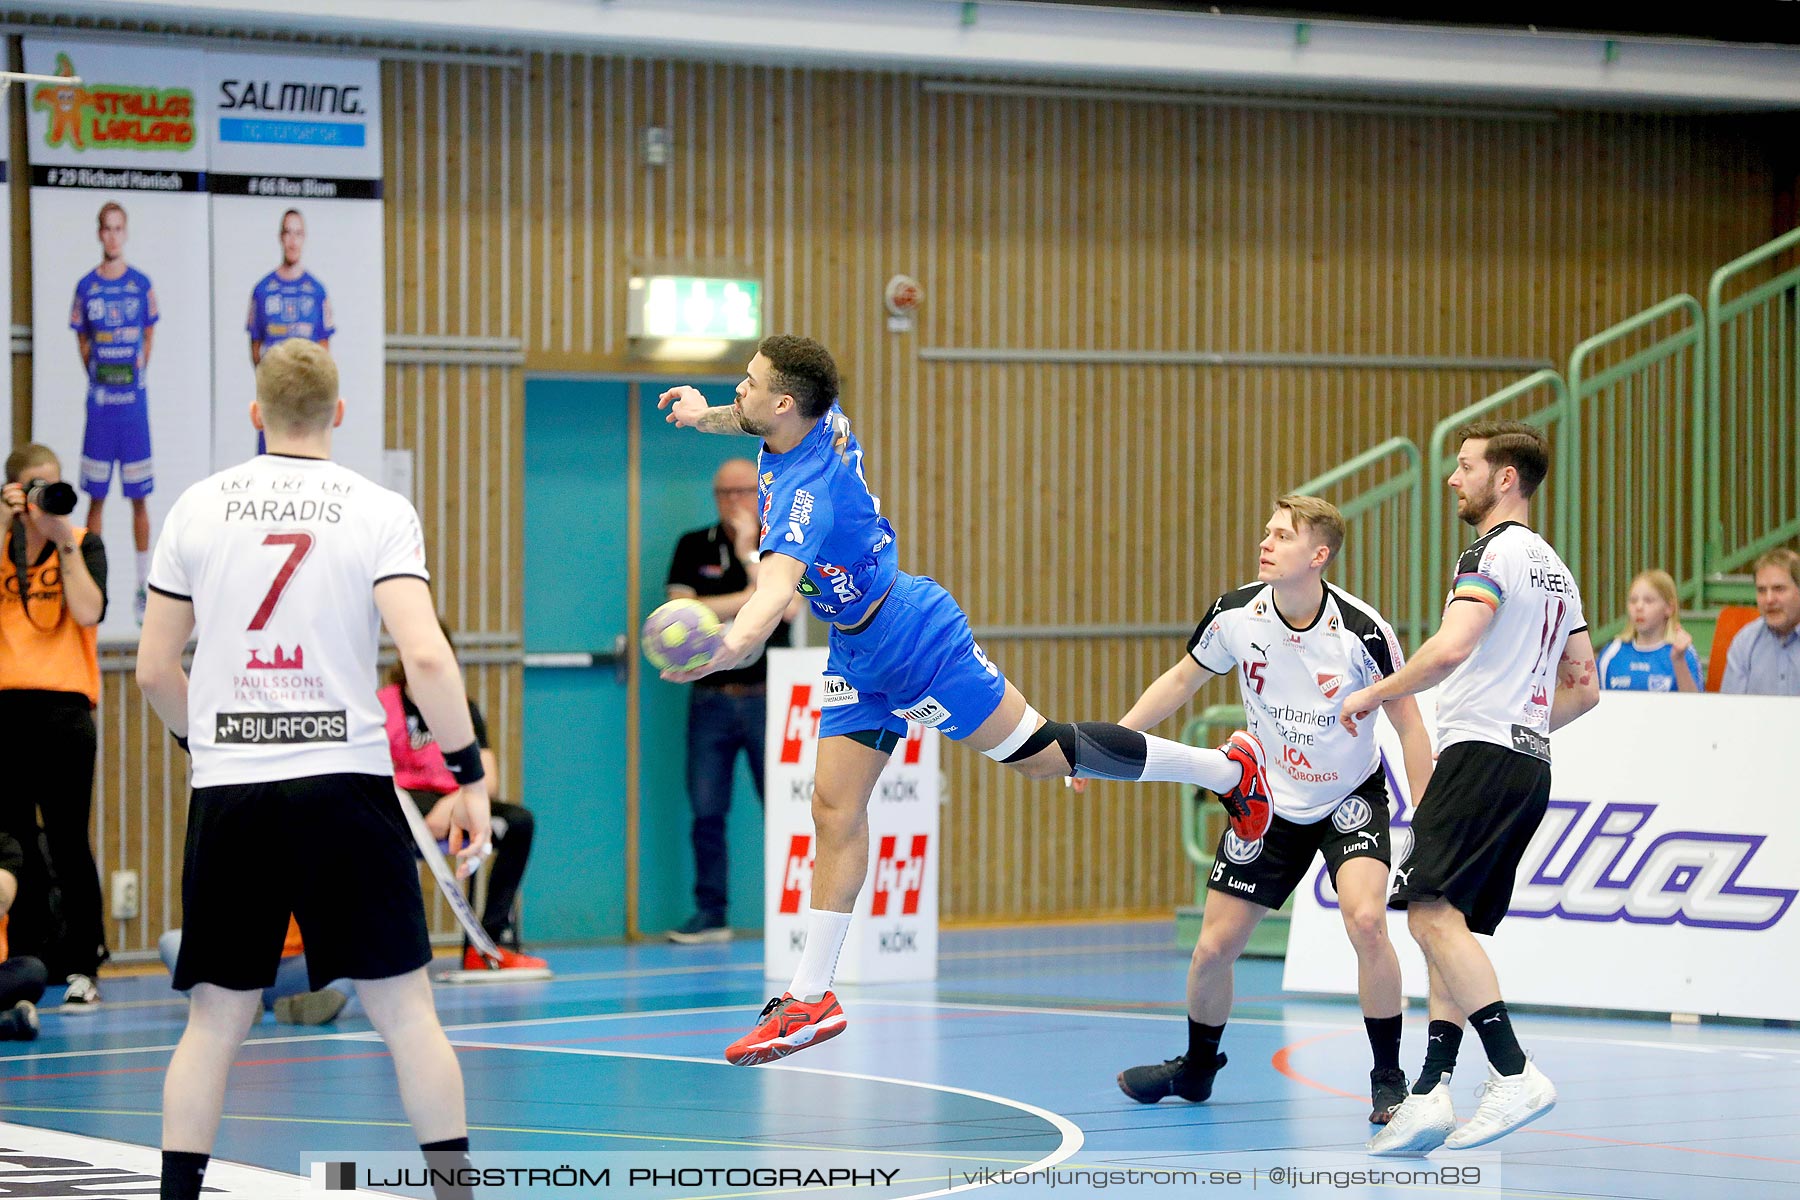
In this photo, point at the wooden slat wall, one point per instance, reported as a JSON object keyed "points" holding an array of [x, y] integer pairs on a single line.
{"points": [[1039, 493]]}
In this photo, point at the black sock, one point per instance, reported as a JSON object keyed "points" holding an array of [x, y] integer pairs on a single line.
{"points": [[1203, 1045], [1105, 751], [449, 1157], [1384, 1041], [182, 1171], [1442, 1040], [1497, 1038]]}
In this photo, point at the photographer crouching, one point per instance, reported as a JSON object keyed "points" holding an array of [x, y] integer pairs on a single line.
{"points": [[52, 595]]}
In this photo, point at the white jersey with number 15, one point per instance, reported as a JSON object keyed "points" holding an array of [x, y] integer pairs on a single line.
{"points": [[280, 557]]}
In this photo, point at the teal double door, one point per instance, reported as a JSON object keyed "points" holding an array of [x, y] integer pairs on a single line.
{"points": [[609, 488]]}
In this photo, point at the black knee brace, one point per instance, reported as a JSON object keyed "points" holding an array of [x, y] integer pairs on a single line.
{"points": [[1050, 731]]}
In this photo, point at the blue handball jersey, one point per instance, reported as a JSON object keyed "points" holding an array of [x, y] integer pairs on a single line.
{"points": [[112, 314], [816, 507], [1625, 668], [288, 308]]}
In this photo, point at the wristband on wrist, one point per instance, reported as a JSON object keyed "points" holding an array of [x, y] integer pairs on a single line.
{"points": [[465, 764]]}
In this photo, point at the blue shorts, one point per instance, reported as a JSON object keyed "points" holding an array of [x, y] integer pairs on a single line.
{"points": [[916, 662], [117, 433]]}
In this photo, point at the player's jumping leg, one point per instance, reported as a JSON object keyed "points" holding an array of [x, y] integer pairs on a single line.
{"points": [[1362, 900], [194, 1090], [1022, 739], [431, 1083], [808, 1012], [1224, 932]]}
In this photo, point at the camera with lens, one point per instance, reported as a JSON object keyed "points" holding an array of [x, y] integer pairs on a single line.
{"points": [[57, 499]]}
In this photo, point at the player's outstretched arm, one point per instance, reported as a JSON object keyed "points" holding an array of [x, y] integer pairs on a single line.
{"points": [[1172, 689], [776, 580], [436, 684], [1465, 624], [1577, 681], [688, 409], [168, 623]]}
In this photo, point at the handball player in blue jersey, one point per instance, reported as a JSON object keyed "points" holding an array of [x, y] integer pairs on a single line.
{"points": [[288, 302], [114, 318], [901, 651]]}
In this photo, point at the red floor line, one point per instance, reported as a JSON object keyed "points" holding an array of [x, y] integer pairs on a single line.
{"points": [[1279, 1060]]}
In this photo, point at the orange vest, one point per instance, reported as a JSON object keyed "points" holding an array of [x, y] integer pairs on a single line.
{"points": [[60, 657]]}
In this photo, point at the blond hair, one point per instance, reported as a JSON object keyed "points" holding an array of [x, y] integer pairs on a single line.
{"points": [[31, 454], [1663, 584], [1321, 517], [297, 386], [1781, 557]]}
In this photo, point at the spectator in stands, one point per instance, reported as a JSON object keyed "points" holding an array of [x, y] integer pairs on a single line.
{"points": [[420, 772], [287, 997], [1654, 654], [21, 979], [1764, 658], [52, 595]]}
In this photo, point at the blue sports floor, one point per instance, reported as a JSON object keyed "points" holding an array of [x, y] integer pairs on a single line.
{"points": [[1007, 1063]]}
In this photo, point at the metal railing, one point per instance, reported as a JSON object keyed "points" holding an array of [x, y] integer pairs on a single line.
{"points": [[1385, 521], [1630, 455], [1753, 404]]}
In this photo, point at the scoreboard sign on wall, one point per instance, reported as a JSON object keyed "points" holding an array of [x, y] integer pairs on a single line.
{"points": [[893, 936]]}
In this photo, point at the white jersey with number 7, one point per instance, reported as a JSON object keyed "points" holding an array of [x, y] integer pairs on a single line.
{"points": [[280, 557]]}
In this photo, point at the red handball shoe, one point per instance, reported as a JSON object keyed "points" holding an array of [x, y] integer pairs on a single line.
{"points": [[510, 960], [786, 1025], [1248, 803]]}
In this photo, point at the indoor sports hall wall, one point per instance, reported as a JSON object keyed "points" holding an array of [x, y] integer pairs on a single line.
{"points": [[1363, 271]]}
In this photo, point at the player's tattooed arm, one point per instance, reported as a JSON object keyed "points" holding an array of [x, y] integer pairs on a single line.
{"points": [[720, 419], [1577, 681]]}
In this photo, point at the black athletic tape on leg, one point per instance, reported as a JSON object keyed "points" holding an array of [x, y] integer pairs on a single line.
{"points": [[1050, 731], [1104, 751]]}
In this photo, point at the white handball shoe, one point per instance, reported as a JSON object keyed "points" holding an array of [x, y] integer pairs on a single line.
{"points": [[1507, 1102], [1419, 1125]]}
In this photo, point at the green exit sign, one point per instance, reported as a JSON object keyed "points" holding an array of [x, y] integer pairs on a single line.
{"points": [[694, 306]]}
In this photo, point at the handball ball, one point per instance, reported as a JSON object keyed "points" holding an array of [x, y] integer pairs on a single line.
{"points": [[682, 634]]}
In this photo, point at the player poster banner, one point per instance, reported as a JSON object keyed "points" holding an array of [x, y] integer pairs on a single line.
{"points": [[120, 303], [297, 238], [893, 936], [1661, 880]]}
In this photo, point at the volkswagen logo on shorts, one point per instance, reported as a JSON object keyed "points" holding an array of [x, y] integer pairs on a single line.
{"points": [[1353, 813], [1239, 851]]}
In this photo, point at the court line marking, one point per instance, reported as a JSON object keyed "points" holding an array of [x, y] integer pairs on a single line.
{"points": [[1071, 1135], [1279, 1060]]}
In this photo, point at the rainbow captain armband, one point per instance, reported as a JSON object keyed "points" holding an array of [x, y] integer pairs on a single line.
{"points": [[465, 764], [1473, 585]]}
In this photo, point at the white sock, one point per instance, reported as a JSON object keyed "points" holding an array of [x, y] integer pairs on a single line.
{"points": [[143, 566], [825, 932], [1174, 762]]}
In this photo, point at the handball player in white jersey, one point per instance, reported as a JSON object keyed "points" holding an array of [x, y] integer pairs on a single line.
{"points": [[1512, 662], [285, 568], [1297, 645]]}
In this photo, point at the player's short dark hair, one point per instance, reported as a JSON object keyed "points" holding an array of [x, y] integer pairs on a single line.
{"points": [[803, 370], [292, 212], [1516, 444]]}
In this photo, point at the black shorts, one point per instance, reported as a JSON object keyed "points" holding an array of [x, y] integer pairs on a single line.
{"points": [[1267, 872], [333, 850], [1479, 813]]}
